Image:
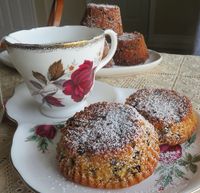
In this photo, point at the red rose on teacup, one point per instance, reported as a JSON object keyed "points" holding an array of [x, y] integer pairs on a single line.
{"points": [[48, 131], [169, 154], [81, 81]]}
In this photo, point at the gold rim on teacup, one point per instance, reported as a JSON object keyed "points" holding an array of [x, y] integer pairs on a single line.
{"points": [[6, 43]]}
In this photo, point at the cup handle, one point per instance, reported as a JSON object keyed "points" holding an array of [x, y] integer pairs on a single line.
{"points": [[113, 37]]}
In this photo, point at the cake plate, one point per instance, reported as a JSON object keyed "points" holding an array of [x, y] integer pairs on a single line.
{"points": [[33, 151]]}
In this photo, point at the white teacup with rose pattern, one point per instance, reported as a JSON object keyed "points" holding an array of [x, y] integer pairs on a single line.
{"points": [[58, 64]]}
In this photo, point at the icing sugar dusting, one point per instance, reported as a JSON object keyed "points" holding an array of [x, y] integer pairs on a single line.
{"points": [[165, 105], [101, 5], [129, 36], [103, 127]]}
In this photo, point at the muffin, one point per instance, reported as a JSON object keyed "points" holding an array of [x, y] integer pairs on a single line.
{"points": [[103, 16], [170, 113], [131, 50], [107, 145]]}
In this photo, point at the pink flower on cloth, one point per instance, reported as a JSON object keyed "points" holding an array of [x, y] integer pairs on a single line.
{"points": [[169, 154], [48, 131], [81, 81]]}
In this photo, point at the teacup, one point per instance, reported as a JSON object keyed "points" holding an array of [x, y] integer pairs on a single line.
{"points": [[58, 64]]}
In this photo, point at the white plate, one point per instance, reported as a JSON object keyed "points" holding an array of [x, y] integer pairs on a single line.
{"points": [[39, 170], [5, 58], [154, 59], [22, 108]]}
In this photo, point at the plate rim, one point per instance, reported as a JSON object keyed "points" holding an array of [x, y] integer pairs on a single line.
{"points": [[125, 70], [19, 175], [5, 59]]}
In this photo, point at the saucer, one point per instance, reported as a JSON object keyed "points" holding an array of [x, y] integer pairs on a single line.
{"points": [[182, 175], [23, 109], [154, 59], [5, 59], [178, 174]]}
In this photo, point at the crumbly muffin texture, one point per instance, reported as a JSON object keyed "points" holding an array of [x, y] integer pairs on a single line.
{"points": [[170, 113], [103, 16], [131, 49], [108, 145]]}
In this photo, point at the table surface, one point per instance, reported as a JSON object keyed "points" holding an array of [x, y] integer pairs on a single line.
{"points": [[178, 72]]}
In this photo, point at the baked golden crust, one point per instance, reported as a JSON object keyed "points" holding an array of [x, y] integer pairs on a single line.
{"points": [[170, 113], [179, 132], [119, 148], [131, 49]]}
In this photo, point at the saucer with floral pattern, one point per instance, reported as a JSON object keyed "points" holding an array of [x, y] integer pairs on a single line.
{"points": [[33, 151]]}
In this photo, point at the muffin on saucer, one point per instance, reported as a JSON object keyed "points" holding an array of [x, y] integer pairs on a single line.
{"points": [[108, 145], [131, 50], [170, 113]]}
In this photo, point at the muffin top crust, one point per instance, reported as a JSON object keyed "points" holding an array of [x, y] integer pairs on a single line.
{"points": [[163, 105], [103, 127]]}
